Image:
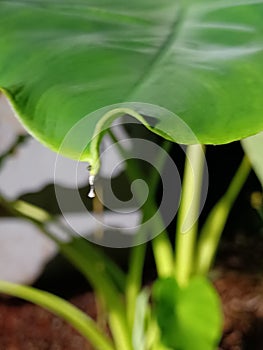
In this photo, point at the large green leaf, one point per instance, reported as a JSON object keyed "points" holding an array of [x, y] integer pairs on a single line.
{"points": [[189, 318], [200, 59]]}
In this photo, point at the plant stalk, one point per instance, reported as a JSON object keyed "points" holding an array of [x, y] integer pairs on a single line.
{"points": [[134, 280], [215, 223], [187, 222]]}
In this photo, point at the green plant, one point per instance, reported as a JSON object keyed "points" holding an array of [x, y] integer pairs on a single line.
{"points": [[61, 61]]}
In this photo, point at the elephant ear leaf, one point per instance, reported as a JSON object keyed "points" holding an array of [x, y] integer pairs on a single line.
{"points": [[199, 59]]}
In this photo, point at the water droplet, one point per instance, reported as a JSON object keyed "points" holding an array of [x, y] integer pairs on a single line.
{"points": [[92, 189], [91, 193]]}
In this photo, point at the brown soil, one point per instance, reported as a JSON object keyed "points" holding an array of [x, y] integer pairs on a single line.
{"points": [[24, 326], [242, 299], [239, 281]]}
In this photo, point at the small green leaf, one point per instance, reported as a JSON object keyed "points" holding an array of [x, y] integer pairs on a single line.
{"points": [[165, 295], [189, 318], [253, 147]]}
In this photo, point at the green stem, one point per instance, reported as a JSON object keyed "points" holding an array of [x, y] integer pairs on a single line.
{"points": [[134, 280], [187, 223], [162, 249], [161, 245], [25, 210], [103, 126], [163, 255], [31, 211], [78, 319], [215, 223]]}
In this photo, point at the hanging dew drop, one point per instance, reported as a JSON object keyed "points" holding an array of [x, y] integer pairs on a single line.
{"points": [[91, 193]]}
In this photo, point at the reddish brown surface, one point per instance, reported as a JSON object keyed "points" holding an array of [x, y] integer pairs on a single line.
{"points": [[27, 327], [242, 299]]}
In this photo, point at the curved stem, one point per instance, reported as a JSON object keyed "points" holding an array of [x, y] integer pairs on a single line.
{"points": [[78, 319], [187, 223], [103, 125], [215, 223]]}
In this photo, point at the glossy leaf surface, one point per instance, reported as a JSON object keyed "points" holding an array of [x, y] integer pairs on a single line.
{"points": [[199, 59], [189, 318]]}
